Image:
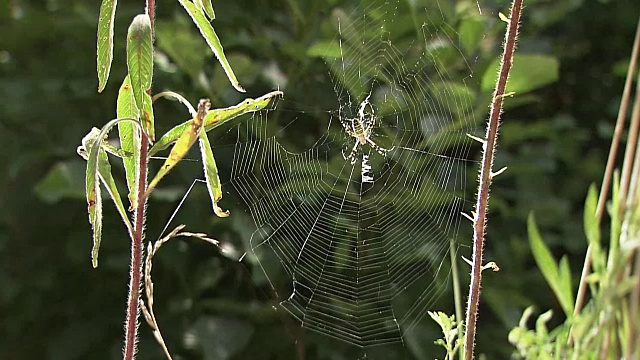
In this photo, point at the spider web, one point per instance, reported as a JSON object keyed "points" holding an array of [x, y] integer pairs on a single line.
{"points": [[361, 221]]}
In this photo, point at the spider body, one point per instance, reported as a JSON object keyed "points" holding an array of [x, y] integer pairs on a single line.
{"points": [[361, 129]]}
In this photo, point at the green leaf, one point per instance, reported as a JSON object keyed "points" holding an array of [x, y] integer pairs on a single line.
{"points": [[140, 65], [212, 39], [325, 50], [206, 7], [215, 118], [105, 41], [98, 167], [471, 31], [529, 72], [63, 181], [592, 229], [129, 138], [183, 144], [548, 266], [211, 175]]}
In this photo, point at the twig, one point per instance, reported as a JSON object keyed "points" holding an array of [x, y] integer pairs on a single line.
{"points": [[147, 309], [606, 181], [482, 204]]}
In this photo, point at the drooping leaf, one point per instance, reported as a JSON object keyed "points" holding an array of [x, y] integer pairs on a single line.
{"points": [[211, 174], [105, 41], [529, 72], [129, 137], [216, 118], [98, 167], [548, 266], [212, 39], [140, 65], [183, 144]]}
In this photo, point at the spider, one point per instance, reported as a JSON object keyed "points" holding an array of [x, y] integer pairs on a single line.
{"points": [[361, 128]]}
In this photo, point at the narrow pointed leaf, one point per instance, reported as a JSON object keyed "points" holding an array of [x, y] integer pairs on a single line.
{"points": [[92, 149], [592, 229], [211, 175], [548, 266], [94, 199], [564, 279], [140, 65], [129, 138], [105, 41], [208, 9], [212, 39], [215, 118], [183, 144]]}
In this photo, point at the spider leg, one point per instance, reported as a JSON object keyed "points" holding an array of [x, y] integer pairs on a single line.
{"points": [[382, 151], [352, 155]]}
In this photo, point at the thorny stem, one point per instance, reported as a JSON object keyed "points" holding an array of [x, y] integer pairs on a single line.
{"points": [[135, 270], [608, 173], [486, 175]]}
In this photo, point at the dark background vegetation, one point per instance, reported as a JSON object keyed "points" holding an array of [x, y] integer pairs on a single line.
{"points": [[53, 305]]}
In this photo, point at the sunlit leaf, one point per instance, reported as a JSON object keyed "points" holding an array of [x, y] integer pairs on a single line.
{"points": [[529, 72], [211, 175], [206, 7], [140, 65], [215, 118], [212, 39], [105, 41], [129, 137], [183, 144]]}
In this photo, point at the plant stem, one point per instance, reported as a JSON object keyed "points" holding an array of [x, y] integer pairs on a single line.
{"points": [[135, 270], [482, 204]]}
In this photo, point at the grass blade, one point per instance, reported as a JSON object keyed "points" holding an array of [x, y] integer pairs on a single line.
{"points": [[105, 41], [140, 65], [212, 39]]}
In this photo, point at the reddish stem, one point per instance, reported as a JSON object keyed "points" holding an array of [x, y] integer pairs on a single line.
{"points": [[486, 175], [135, 270]]}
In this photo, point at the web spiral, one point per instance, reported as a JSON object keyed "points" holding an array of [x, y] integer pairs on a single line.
{"points": [[362, 221]]}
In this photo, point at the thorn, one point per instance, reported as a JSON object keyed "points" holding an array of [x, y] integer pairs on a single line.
{"points": [[509, 94], [481, 141], [491, 265], [467, 261], [503, 17], [494, 174], [467, 216]]}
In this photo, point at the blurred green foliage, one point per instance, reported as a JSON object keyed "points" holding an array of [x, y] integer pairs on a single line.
{"points": [[54, 305]]}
